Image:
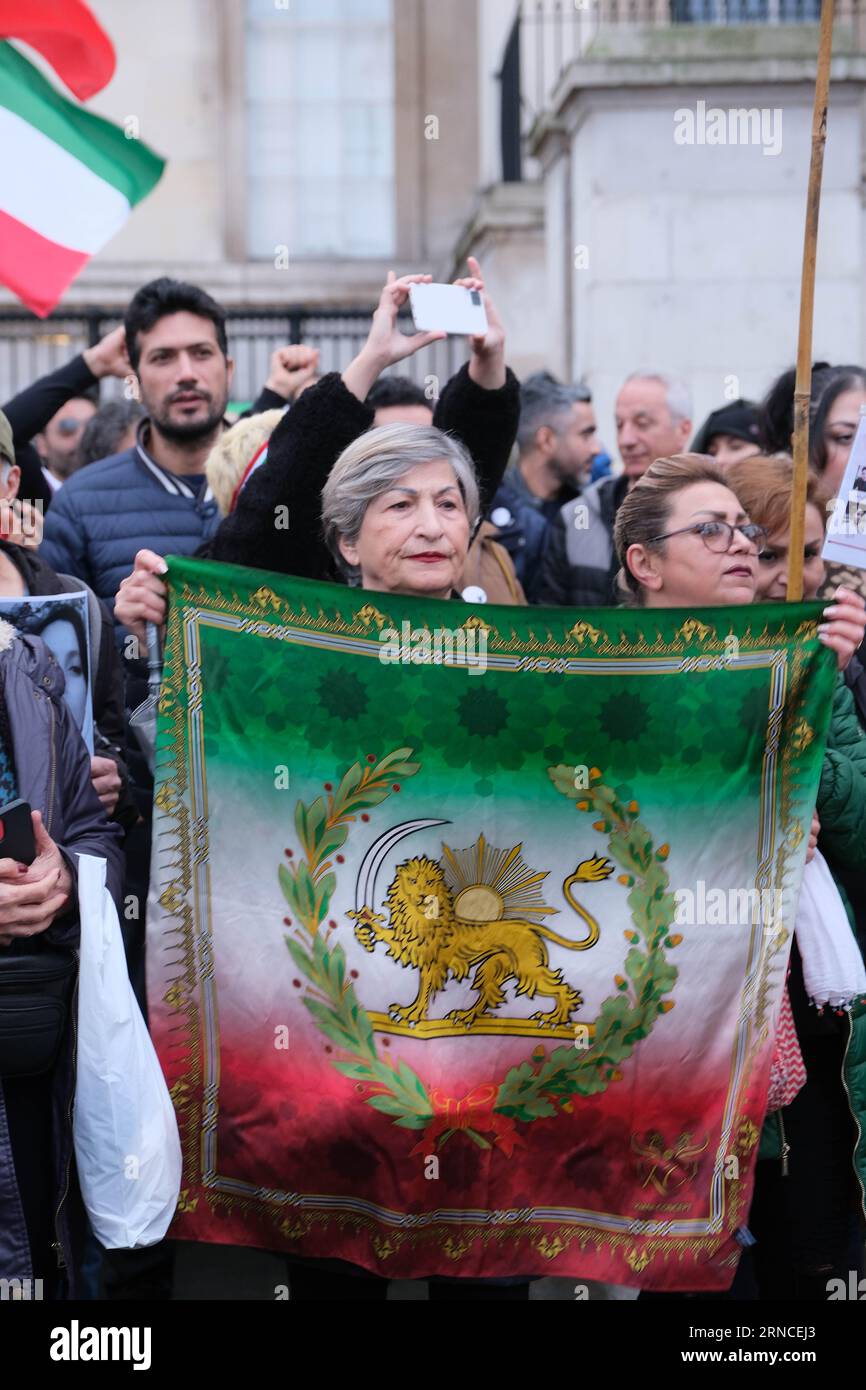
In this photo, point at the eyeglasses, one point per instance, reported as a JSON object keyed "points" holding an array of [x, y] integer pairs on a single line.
{"points": [[70, 426], [718, 535]]}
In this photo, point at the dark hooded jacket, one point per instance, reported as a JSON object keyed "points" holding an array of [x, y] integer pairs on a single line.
{"points": [[579, 564], [52, 768]]}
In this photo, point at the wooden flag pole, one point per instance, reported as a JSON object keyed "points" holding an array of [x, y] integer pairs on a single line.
{"points": [[803, 388]]}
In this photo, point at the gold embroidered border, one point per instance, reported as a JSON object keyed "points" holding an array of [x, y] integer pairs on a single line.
{"points": [[582, 639], [175, 897]]}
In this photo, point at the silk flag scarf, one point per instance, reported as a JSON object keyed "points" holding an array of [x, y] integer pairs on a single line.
{"points": [[469, 925]]}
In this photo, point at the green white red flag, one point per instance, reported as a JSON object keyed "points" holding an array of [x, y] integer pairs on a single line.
{"points": [[68, 35], [467, 944], [68, 178]]}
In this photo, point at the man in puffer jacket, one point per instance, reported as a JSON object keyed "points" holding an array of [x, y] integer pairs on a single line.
{"points": [[154, 493]]}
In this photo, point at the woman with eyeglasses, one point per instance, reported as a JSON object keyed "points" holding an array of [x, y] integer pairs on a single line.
{"points": [[764, 486], [683, 538], [687, 535]]}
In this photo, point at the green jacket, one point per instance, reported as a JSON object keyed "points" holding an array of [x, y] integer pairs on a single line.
{"points": [[842, 811]]}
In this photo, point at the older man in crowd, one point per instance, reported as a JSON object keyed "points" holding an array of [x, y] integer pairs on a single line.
{"points": [[653, 420]]}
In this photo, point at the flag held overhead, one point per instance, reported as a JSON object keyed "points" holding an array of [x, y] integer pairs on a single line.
{"points": [[68, 35], [69, 179]]}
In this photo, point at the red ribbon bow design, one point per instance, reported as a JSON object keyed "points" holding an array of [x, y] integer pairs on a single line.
{"points": [[473, 1113]]}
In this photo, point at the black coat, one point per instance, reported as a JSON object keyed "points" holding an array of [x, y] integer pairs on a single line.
{"points": [[307, 443], [579, 565], [29, 412], [53, 774]]}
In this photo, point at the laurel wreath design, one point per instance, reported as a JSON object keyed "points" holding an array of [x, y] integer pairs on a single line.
{"points": [[541, 1086]]}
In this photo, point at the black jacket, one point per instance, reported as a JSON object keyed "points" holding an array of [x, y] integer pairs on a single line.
{"points": [[307, 443], [579, 565], [30, 411], [522, 525], [53, 774]]}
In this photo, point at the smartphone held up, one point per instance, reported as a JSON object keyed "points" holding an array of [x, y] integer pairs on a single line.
{"points": [[17, 840], [451, 309]]}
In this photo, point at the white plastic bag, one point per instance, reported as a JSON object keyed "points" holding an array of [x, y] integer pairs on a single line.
{"points": [[126, 1142], [833, 971]]}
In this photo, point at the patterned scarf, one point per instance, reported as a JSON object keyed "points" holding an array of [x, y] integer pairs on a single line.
{"points": [[787, 1070]]}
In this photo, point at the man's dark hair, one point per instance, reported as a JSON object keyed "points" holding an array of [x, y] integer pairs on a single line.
{"points": [[542, 378], [396, 390], [102, 434], [164, 296], [543, 401]]}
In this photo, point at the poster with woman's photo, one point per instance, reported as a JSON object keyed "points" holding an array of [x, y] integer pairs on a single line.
{"points": [[846, 532], [61, 620]]}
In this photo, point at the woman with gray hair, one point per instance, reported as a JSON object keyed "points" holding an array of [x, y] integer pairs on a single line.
{"points": [[392, 509], [399, 508]]}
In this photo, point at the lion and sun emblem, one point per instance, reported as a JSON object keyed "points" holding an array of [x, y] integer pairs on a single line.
{"points": [[479, 912]]}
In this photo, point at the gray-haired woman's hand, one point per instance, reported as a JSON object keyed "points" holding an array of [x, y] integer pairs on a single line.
{"points": [[386, 344], [487, 364]]}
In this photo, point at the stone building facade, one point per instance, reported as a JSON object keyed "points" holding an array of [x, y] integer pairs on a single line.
{"points": [[573, 146]]}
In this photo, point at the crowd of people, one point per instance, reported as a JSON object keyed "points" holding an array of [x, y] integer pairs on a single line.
{"points": [[497, 492]]}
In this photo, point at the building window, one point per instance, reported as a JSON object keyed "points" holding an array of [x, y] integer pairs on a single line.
{"points": [[320, 128]]}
